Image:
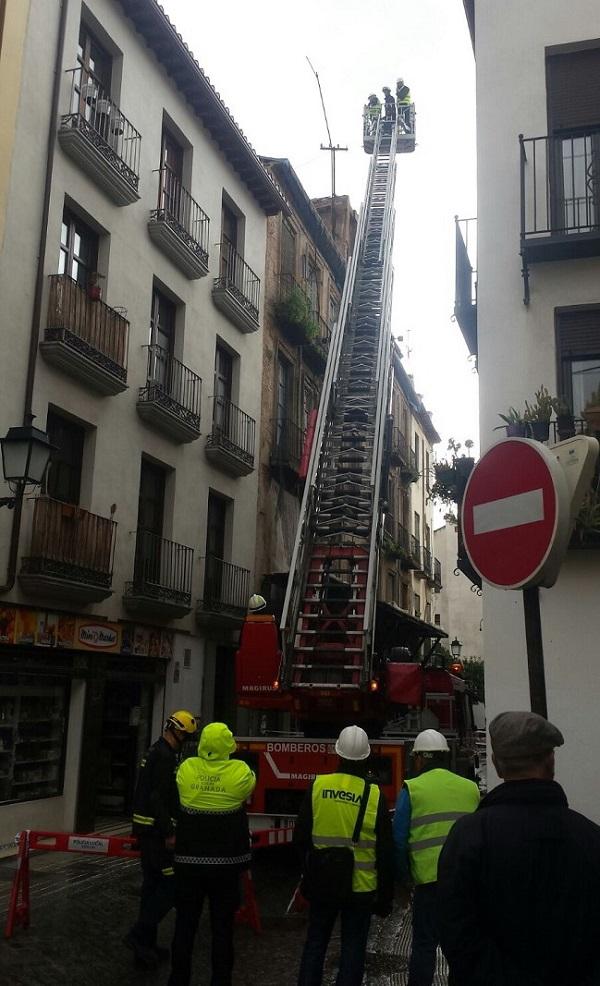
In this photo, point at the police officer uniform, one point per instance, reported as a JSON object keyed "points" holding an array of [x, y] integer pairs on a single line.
{"points": [[211, 850]]}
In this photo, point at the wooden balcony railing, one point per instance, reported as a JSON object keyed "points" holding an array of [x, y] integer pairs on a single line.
{"points": [[70, 543], [87, 325]]}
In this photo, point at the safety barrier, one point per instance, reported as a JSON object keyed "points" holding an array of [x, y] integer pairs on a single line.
{"points": [[124, 847]]}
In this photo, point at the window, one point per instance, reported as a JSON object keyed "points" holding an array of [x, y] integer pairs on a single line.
{"points": [[312, 285], [427, 469], [391, 578], [283, 396], [63, 480], [33, 731], [92, 79], [428, 612], [151, 503], [215, 526], [417, 601], [93, 58], [223, 385], [417, 452], [78, 256], [437, 619], [309, 402], [428, 537], [288, 249], [405, 596], [417, 528], [578, 354], [162, 340], [334, 309], [171, 175]]}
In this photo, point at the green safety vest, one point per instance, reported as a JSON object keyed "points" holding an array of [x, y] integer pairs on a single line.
{"points": [[404, 100], [437, 798], [335, 803]]}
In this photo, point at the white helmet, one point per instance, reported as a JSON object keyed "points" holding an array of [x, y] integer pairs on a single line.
{"points": [[353, 744], [257, 603], [430, 741]]}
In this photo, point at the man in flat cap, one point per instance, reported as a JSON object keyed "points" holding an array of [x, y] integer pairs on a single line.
{"points": [[519, 879]]}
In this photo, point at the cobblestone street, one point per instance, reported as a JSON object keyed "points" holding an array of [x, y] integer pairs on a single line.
{"points": [[82, 906]]}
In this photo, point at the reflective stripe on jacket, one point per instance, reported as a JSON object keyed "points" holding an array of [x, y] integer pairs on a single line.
{"points": [[437, 798], [335, 804]]}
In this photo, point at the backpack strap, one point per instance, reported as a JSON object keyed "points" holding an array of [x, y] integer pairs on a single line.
{"points": [[361, 813]]}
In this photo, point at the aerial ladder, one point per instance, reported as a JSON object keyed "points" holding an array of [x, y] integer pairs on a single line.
{"points": [[328, 618]]}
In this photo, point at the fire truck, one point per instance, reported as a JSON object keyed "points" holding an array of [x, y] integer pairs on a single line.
{"points": [[324, 666]]}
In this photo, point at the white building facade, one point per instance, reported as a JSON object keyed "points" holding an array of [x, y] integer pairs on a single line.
{"points": [[459, 604], [138, 347], [538, 320]]}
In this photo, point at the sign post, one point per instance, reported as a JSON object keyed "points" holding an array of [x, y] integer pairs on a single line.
{"points": [[518, 512]]}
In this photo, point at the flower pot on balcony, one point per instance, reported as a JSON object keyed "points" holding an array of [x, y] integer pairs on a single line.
{"points": [[540, 430], [517, 429]]}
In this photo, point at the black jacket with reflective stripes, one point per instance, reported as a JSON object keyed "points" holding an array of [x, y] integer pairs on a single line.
{"points": [[156, 791]]}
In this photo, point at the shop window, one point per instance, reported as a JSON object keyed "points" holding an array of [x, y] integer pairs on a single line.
{"points": [[578, 352], [63, 480], [33, 721]]}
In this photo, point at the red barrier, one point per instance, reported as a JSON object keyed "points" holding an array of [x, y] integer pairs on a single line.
{"points": [[97, 844]]}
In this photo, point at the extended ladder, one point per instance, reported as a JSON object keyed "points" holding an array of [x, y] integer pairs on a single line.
{"points": [[329, 609]]}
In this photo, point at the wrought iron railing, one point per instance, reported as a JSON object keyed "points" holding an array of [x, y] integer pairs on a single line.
{"points": [[568, 428], [226, 586], [232, 429], [290, 287], [238, 278], [427, 561], [97, 116], [403, 453], [560, 184], [437, 572], [162, 569], [68, 542], [172, 385], [288, 443], [177, 208], [323, 337], [87, 324]]}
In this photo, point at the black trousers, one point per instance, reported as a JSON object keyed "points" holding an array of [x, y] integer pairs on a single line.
{"points": [[426, 938], [192, 886], [157, 895], [355, 920]]}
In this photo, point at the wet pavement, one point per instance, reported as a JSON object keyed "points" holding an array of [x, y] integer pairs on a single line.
{"points": [[81, 907]]}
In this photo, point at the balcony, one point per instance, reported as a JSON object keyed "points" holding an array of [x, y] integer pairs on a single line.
{"points": [[301, 323], [403, 456], [100, 138], [236, 292], [560, 199], [465, 299], [170, 401], [287, 448], [437, 575], [85, 338], [71, 554], [398, 543], [225, 597], [427, 563], [179, 227], [231, 441], [162, 578]]}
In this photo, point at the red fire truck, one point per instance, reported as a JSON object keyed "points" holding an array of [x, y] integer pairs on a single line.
{"points": [[325, 665]]}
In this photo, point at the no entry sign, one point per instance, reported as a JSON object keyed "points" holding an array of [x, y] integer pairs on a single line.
{"points": [[516, 515]]}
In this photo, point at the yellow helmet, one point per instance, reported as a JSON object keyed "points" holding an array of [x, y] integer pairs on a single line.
{"points": [[182, 720]]}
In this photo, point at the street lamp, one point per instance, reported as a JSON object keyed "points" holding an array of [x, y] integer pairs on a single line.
{"points": [[455, 648], [25, 456]]}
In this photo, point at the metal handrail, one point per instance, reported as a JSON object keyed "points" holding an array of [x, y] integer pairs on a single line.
{"points": [[234, 427], [427, 560], [162, 564], [226, 586], [73, 540], [168, 377], [177, 207], [560, 184], [71, 308], [238, 277], [94, 112]]}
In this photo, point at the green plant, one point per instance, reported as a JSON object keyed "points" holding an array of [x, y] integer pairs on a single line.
{"points": [[512, 417], [473, 672], [295, 310], [543, 407]]}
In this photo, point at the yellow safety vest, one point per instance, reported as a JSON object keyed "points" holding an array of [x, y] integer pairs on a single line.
{"points": [[335, 804], [437, 798]]}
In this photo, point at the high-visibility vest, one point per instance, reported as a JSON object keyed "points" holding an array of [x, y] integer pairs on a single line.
{"points": [[403, 100], [335, 804], [374, 109], [437, 798]]}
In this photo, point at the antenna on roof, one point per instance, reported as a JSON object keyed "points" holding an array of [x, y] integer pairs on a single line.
{"points": [[333, 149]]}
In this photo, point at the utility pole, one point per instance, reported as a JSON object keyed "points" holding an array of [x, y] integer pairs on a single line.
{"points": [[331, 147]]}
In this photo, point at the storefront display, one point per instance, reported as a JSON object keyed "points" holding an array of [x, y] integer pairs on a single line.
{"points": [[32, 740]]}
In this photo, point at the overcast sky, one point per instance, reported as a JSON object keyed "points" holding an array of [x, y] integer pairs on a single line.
{"points": [[255, 55]]}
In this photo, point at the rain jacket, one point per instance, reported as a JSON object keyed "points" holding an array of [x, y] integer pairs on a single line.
{"points": [[212, 826], [154, 792]]}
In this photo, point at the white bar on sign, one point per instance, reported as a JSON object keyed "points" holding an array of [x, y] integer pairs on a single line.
{"points": [[510, 511]]}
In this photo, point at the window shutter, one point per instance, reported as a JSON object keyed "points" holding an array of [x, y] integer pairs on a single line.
{"points": [[574, 90], [579, 332]]}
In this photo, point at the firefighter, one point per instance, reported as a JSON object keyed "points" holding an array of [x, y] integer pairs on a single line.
{"points": [[212, 849], [403, 102], [390, 104], [329, 818], [426, 809], [153, 801], [372, 114]]}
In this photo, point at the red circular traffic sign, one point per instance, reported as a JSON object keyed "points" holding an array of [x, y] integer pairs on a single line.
{"points": [[513, 513]]}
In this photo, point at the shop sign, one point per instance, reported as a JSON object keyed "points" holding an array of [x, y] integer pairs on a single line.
{"points": [[104, 637]]}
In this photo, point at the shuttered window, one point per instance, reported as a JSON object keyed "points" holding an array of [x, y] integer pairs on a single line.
{"points": [[573, 80], [578, 353]]}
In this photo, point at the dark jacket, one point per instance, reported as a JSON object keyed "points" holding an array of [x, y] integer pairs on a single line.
{"points": [[155, 792], [384, 848], [519, 891]]}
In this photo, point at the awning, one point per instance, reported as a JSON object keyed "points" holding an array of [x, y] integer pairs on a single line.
{"points": [[396, 628]]}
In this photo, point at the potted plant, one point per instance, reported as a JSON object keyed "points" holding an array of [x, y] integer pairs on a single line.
{"points": [[464, 463], [565, 424], [515, 424], [592, 410], [538, 415]]}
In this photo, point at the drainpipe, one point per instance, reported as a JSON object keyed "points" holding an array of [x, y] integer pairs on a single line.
{"points": [[13, 551]]}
